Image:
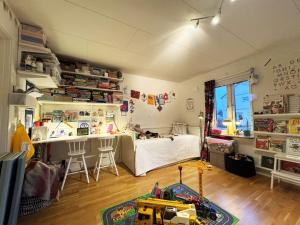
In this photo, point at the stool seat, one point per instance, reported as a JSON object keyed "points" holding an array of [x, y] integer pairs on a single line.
{"points": [[106, 150], [80, 152]]}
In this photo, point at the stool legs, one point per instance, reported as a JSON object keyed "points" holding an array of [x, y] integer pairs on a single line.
{"points": [[99, 165], [112, 163], [111, 155], [66, 173], [85, 169]]}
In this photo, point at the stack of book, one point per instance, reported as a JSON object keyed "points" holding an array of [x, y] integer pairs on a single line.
{"points": [[12, 167], [294, 103], [32, 35]]}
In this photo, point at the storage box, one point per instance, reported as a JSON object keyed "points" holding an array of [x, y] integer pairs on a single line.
{"points": [[242, 165], [217, 158]]}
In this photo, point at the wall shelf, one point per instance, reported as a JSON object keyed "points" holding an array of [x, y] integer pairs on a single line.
{"points": [[275, 134], [34, 48], [264, 168], [91, 75], [78, 103], [276, 115], [22, 100], [265, 151], [91, 88], [40, 80]]}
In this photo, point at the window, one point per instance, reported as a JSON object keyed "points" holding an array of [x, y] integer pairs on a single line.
{"points": [[221, 106], [232, 102], [242, 105]]}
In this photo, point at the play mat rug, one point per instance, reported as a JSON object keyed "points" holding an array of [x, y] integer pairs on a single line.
{"points": [[124, 213]]}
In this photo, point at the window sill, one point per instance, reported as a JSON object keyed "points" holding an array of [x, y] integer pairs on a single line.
{"points": [[233, 136]]}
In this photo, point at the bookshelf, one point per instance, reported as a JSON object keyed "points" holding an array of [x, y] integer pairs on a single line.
{"points": [[40, 80], [274, 135], [92, 88], [92, 75], [44, 102], [281, 115]]}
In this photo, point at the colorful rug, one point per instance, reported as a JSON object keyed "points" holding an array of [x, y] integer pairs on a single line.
{"points": [[124, 213]]}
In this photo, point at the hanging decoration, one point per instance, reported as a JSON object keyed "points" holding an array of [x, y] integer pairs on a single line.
{"points": [[144, 97], [131, 106], [151, 100], [159, 108], [124, 106], [135, 94]]}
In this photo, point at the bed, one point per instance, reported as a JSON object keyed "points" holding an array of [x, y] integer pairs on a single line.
{"points": [[141, 156]]}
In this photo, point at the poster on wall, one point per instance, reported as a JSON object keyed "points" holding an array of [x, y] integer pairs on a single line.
{"points": [[189, 104], [124, 108], [151, 100], [286, 76], [135, 94], [144, 97]]}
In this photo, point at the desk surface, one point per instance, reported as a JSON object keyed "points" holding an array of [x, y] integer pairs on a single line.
{"points": [[69, 138]]}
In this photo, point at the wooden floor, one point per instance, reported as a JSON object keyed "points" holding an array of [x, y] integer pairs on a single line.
{"points": [[249, 199]]}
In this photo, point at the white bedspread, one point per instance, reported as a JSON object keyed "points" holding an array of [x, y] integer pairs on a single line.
{"points": [[155, 153]]}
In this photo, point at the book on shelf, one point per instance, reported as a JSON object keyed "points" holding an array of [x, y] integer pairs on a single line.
{"points": [[294, 126], [280, 126], [262, 142], [293, 146], [265, 125], [277, 145]]}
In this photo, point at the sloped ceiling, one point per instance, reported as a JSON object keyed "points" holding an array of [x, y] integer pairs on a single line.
{"points": [[155, 37]]}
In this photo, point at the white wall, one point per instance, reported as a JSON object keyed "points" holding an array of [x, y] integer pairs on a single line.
{"points": [[146, 115], [280, 53], [8, 56]]}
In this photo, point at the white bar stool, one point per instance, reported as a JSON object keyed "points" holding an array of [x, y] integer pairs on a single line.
{"points": [[106, 150], [76, 151]]}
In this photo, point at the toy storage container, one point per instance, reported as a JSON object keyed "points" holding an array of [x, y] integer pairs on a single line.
{"points": [[218, 149]]}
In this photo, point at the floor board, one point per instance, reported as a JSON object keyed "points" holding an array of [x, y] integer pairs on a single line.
{"points": [[249, 199]]}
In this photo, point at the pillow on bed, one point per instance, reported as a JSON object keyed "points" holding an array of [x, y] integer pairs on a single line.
{"points": [[179, 128]]}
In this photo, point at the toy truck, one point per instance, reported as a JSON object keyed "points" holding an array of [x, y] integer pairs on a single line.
{"points": [[165, 212]]}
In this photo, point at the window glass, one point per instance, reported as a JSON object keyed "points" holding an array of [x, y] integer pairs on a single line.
{"points": [[221, 106], [242, 107]]}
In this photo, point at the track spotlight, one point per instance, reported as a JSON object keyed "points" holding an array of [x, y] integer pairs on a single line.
{"points": [[216, 19]]}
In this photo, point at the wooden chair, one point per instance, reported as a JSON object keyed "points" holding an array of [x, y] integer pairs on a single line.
{"points": [[76, 154], [106, 150]]}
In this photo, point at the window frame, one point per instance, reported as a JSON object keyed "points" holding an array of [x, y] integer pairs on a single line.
{"points": [[231, 114]]}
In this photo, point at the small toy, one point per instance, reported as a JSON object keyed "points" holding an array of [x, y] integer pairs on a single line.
{"points": [[200, 165], [164, 212]]}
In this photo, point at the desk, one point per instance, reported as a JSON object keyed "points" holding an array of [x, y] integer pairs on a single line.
{"points": [[69, 138]]}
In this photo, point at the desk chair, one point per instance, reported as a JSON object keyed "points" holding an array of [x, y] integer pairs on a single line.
{"points": [[106, 150], [76, 151]]}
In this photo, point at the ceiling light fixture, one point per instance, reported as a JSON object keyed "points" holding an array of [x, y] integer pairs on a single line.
{"points": [[215, 20]]}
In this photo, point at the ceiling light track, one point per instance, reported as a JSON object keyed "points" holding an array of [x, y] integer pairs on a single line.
{"points": [[215, 19]]}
